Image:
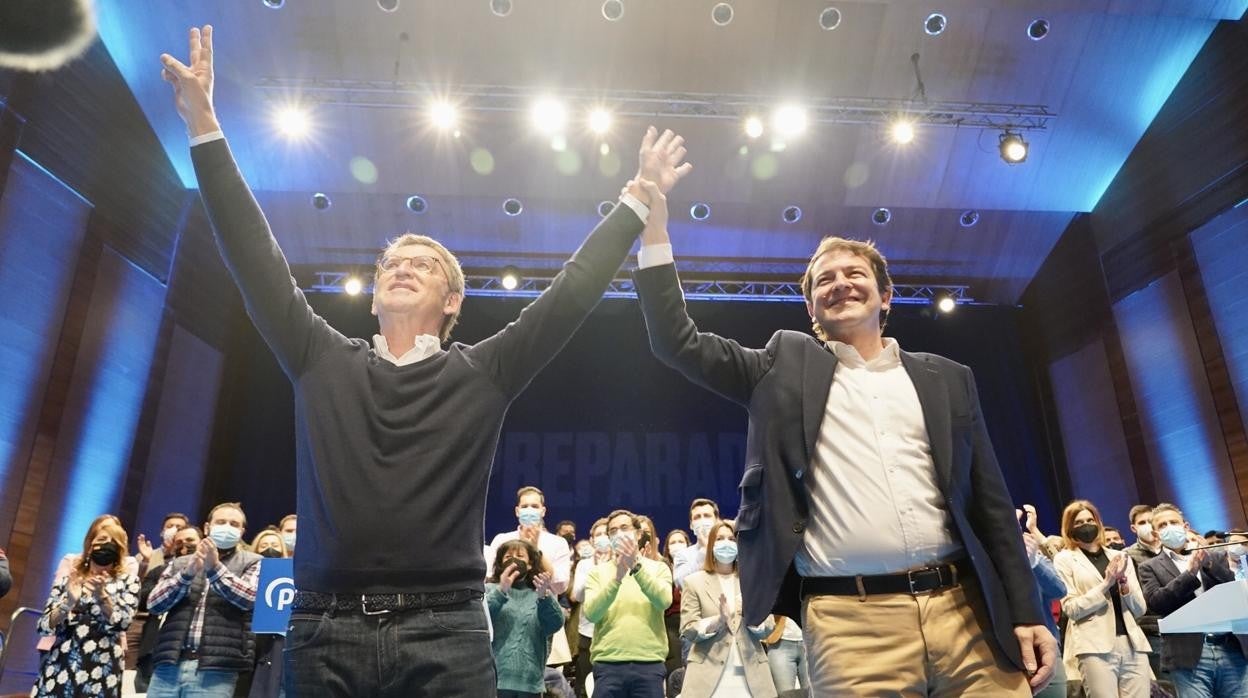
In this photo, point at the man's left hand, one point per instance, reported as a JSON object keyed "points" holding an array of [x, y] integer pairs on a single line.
{"points": [[211, 554], [1039, 649]]}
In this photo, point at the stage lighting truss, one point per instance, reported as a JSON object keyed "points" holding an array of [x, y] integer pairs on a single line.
{"points": [[532, 283], [379, 94]]}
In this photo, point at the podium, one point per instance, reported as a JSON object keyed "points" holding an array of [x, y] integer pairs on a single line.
{"points": [[1222, 609]]}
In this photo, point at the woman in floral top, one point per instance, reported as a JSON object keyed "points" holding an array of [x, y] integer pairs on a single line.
{"points": [[88, 612]]}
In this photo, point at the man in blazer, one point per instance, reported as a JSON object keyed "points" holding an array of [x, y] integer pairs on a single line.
{"points": [[869, 478], [1200, 664]]}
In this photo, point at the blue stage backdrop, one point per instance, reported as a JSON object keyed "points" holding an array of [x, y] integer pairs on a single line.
{"points": [[606, 425]]}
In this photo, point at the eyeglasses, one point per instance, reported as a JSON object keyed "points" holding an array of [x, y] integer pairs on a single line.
{"points": [[422, 264]]}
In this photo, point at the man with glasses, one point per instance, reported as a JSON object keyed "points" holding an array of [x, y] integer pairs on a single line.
{"points": [[395, 440], [625, 599]]}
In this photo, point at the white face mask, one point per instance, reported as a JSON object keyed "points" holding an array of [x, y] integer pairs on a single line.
{"points": [[702, 528], [1144, 531], [167, 535], [602, 543], [676, 548]]}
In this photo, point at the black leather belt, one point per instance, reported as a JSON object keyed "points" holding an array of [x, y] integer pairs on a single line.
{"points": [[920, 581], [376, 604], [188, 655], [1223, 639]]}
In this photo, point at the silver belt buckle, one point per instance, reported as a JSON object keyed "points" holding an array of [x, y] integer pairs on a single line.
{"points": [[382, 612], [910, 577]]}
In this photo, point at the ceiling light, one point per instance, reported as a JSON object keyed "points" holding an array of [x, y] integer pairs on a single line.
{"points": [[500, 8], [443, 114], [791, 214], [881, 216], [417, 204], [902, 131], [353, 286], [321, 201], [613, 10], [829, 18], [509, 278], [599, 121], [721, 14], [293, 122], [944, 302], [968, 219], [549, 115], [1012, 147], [935, 23], [789, 120], [512, 207], [1038, 29], [753, 127], [700, 211]]}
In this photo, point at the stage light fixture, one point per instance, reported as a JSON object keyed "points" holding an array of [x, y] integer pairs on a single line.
{"points": [[549, 115], [605, 208], [1038, 29], [599, 121], [935, 23], [881, 216], [321, 201], [753, 126], [509, 278], [789, 120], [443, 114], [273, 4], [721, 14], [353, 286], [944, 302], [500, 8], [293, 121], [1012, 147], [902, 131], [388, 5], [700, 211], [613, 10], [968, 219], [417, 204], [512, 207], [829, 18], [791, 214]]}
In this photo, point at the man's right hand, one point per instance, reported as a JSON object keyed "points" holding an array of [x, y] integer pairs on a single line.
{"points": [[1196, 560], [625, 557], [192, 84]]}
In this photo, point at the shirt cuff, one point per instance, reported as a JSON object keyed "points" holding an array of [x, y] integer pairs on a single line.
{"points": [[642, 210], [705, 628], [207, 137], [655, 255]]}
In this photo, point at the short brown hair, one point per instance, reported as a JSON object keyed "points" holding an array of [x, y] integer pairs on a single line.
{"points": [[632, 518], [454, 272], [529, 489], [865, 249], [1137, 510], [1068, 522], [708, 563], [1167, 506], [282, 524], [228, 505], [701, 502]]}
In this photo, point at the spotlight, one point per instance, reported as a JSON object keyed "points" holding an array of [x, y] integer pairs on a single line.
{"points": [[605, 208], [417, 204], [512, 207], [903, 131], [273, 4], [388, 5], [1012, 147], [443, 114], [935, 23], [700, 211], [789, 120], [613, 10], [721, 14], [549, 115], [829, 18], [1038, 29], [791, 214], [753, 127], [509, 278], [500, 8], [353, 286], [881, 216], [969, 218], [599, 121], [944, 302], [321, 201], [293, 121]]}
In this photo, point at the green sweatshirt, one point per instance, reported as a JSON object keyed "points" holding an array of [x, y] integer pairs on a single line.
{"points": [[628, 615]]}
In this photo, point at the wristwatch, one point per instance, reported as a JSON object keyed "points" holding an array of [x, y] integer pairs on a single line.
{"points": [[636, 568]]}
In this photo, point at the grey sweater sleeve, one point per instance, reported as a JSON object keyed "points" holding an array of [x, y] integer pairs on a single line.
{"points": [[278, 308], [517, 352]]}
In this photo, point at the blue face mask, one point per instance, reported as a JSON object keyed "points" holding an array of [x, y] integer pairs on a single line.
{"points": [[602, 544], [225, 536], [725, 551], [530, 516], [1173, 537], [289, 539], [617, 541]]}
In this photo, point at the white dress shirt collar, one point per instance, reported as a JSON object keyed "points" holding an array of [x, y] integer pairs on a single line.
{"points": [[426, 345], [890, 357]]}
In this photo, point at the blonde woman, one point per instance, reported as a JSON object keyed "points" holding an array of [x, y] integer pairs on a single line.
{"points": [[1103, 602]]}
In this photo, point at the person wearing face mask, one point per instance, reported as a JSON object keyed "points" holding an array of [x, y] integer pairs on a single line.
{"points": [[1102, 603], [530, 512], [266, 676], [1211, 664], [703, 513], [625, 599], [205, 643], [727, 659], [151, 557], [567, 531], [1113, 539], [677, 540], [183, 542], [289, 526], [599, 551], [525, 615], [269, 543], [87, 614]]}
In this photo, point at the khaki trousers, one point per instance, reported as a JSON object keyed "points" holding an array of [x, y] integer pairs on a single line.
{"points": [[931, 644]]}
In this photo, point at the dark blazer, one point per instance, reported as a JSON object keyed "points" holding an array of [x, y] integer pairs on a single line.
{"points": [[785, 388], [1166, 590]]}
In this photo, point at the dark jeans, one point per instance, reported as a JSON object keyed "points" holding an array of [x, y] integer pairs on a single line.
{"points": [[582, 665], [518, 694], [629, 679], [443, 651]]}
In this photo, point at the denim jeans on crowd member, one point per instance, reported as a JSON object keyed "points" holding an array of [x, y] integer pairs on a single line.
{"points": [[518, 694], [788, 664], [442, 651], [629, 679], [186, 680], [1222, 672]]}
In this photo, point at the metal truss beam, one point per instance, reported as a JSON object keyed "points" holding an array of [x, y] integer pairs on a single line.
{"points": [[645, 103]]}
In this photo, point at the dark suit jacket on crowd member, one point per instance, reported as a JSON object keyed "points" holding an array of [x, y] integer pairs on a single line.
{"points": [[785, 388], [6, 579], [1166, 590]]}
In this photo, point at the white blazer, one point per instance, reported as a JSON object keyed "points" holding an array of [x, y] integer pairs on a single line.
{"points": [[1090, 627]]}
